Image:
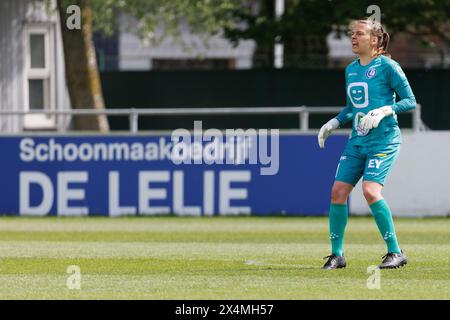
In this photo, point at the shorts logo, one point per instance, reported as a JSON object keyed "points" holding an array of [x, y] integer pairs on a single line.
{"points": [[374, 163], [371, 72]]}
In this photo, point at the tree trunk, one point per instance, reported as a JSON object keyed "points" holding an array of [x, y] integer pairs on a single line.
{"points": [[82, 75]]}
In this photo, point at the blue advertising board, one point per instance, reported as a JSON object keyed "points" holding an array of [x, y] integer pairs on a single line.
{"points": [[152, 175]]}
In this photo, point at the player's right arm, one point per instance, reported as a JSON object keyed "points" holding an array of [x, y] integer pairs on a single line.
{"points": [[346, 114], [340, 120]]}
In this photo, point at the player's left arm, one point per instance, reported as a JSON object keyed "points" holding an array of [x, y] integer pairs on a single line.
{"points": [[399, 83]]}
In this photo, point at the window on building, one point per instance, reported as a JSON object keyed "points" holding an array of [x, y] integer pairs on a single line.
{"points": [[39, 83]]}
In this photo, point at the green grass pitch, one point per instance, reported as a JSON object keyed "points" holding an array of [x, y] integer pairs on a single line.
{"points": [[215, 258]]}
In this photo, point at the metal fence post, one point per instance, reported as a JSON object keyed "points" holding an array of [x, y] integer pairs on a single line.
{"points": [[417, 118], [134, 121], [304, 120]]}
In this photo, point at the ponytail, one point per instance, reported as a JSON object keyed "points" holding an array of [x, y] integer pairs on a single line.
{"points": [[383, 44]]}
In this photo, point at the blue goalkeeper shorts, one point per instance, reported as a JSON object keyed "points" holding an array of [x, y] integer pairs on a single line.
{"points": [[373, 163]]}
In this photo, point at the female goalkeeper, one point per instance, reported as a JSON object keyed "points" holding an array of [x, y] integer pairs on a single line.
{"points": [[372, 82]]}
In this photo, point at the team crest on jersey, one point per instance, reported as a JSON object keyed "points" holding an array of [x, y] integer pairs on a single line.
{"points": [[371, 72]]}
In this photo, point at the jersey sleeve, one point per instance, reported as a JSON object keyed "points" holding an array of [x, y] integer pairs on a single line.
{"points": [[399, 83], [346, 114]]}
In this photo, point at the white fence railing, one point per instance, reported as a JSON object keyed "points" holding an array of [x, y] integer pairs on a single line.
{"points": [[134, 113]]}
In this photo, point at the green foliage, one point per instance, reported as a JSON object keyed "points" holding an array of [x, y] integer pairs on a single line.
{"points": [[319, 17], [303, 27], [254, 19], [157, 19]]}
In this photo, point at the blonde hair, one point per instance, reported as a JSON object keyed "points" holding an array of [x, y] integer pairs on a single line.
{"points": [[377, 30]]}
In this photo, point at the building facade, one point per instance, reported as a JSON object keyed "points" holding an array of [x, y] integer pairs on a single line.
{"points": [[32, 75], [193, 51]]}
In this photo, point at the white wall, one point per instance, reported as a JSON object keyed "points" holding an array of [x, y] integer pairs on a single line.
{"points": [[419, 183]]}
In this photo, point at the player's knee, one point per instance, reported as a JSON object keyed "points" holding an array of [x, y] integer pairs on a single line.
{"points": [[339, 194], [371, 194]]}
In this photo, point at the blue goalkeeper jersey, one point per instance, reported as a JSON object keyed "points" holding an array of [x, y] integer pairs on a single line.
{"points": [[373, 86]]}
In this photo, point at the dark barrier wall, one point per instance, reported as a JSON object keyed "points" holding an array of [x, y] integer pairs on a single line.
{"points": [[164, 89]]}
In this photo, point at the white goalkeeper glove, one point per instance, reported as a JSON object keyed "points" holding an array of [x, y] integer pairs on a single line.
{"points": [[326, 130], [374, 117]]}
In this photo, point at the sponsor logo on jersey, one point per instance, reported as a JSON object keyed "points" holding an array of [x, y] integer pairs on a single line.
{"points": [[358, 93]]}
